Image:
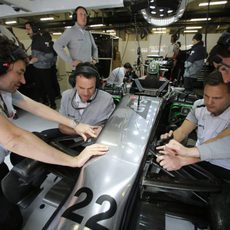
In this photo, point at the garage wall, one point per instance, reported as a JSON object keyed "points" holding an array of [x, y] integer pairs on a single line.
{"points": [[153, 44]]}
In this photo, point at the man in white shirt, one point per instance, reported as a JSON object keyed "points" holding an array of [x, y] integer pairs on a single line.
{"points": [[116, 77], [211, 116]]}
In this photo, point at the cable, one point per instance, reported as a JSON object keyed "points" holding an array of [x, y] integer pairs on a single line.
{"points": [[139, 56], [206, 26]]}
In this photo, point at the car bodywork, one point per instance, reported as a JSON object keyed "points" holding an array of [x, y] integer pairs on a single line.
{"points": [[120, 189]]}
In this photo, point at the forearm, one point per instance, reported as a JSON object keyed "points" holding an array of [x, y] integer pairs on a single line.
{"points": [[218, 149], [179, 135], [184, 130], [188, 160], [61, 52], [28, 145], [224, 133], [66, 130], [191, 152]]}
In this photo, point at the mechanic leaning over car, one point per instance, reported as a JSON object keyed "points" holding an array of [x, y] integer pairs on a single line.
{"points": [[216, 147], [211, 116], [13, 62], [214, 151]]}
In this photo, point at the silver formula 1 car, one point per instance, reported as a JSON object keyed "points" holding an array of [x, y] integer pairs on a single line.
{"points": [[124, 189]]}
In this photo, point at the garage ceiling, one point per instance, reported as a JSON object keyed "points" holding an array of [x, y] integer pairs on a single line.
{"points": [[119, 15]]}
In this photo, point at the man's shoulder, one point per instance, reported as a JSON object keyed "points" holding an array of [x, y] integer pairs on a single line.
{"points": [[104, 94], [67, 93], [198, 104], [69, 31], [73, 28], [17, 95]]}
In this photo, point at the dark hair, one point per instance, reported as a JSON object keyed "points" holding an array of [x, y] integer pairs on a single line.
{"points": [[81, 7], [88, 70], [224, 39], [174, 37], [127, 65], [74, 15], [10, 52], [218, 50], [222, 47], [197, 36], [215, 78], [34, 26], [179, 44]]}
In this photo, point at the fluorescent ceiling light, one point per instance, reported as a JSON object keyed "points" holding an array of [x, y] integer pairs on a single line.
{"points": [[213, 3], [57, 33], [169, 11], [68, 27], [10, 22], [160, 32], [47, 19], [199, 19], [193, 27], [110, 31], [190, 31], [160, 28], [96, 25]]}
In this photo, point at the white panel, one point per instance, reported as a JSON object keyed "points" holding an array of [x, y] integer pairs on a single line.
{"points": [[42, 6], [128, 49]]}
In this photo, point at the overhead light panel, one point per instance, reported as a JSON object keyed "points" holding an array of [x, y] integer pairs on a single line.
{"points": [[160, 32], [57, 33], [47, 19], [192, 27], [96, 25], [159, 28], [190, 31], [213, 3], [110, 31], [10, 22], [199, 19]]}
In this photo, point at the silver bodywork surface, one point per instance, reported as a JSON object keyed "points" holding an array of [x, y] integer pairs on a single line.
{"points": [[103, 187]]}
